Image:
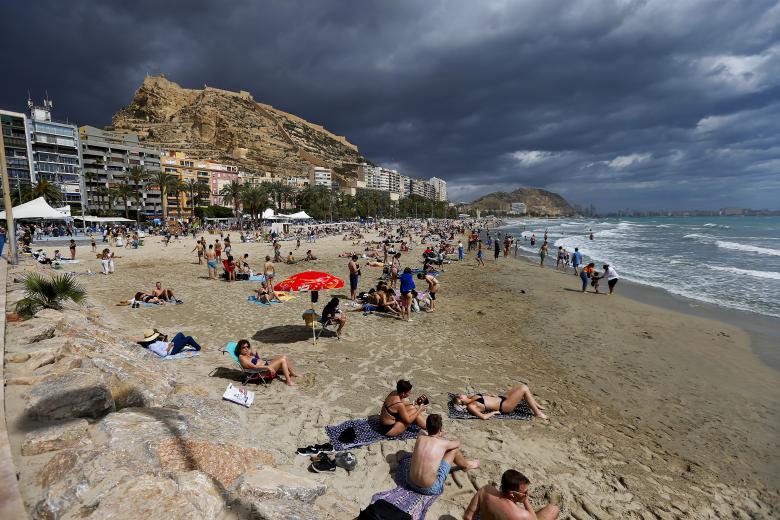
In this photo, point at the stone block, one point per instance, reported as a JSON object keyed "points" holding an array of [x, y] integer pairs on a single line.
{"points": [[78, 393], [55, 437], [264, 483]]}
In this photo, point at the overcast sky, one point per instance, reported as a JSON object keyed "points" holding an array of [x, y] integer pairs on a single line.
{"points": [[644, 104]]}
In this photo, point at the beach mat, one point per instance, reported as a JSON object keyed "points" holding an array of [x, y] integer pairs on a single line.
{"points": [[366, 432], [253, 299], [256, 278], [183, 355], [521, 412], [413, 503]]}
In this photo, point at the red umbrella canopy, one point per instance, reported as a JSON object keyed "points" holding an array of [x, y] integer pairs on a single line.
{"points": [[309, 281]]}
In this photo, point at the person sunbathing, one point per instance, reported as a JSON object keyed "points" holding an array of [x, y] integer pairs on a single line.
{"points": [[142, 297], [503, 503], [163, 294], [310, 256], [432, 459], [398, 413], [486, 406], [265, 294], [158, 343], [290, 258], [251, 359]]}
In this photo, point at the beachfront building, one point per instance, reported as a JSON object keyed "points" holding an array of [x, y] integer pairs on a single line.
{"points": [[17, 156], [517, 208], [195, 181], [320, 176], [55, 154], [114, 162], [439, 189], [297, 183], [382, 179], [256, 177], [422, 188]]}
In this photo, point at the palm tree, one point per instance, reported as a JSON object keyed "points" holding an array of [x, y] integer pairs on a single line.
{"points": [[42, 292], [195, 189], [178, 188], [43, 188], [139, 177], [164, 183], [254, 198], [231, 194], [125, 192]]}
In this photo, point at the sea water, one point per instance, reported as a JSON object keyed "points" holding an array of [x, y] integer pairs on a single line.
{"points": [[733, 262]]}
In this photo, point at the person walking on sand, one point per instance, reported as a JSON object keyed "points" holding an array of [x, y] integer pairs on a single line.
{"points": [[480, 254], [354, 276], [542, 254], [460, 250], [407, 293], [218, 250], [211, 262], [269, 272], [612, 277], [576, 260], [199, 248], [395, 269], [94, 245], [560, 258], [433, 287], [72, 249], [432, 458], [496, 249], [491, 503]]}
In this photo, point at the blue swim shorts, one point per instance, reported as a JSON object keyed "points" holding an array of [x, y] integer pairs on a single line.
{"points": [[438, 487]]}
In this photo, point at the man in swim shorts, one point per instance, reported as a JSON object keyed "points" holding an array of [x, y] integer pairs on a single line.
{"points": [[211, 262], [432, 459], [354, 276]]}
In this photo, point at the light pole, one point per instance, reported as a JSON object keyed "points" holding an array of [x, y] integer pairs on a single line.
{"points": [[13, 257]]}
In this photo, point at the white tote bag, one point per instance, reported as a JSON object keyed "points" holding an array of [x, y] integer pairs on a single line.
{"points": [[241, 396]]}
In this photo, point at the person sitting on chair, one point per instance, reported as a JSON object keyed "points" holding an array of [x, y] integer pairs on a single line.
{"points": [[331, 314], [252, 360]]}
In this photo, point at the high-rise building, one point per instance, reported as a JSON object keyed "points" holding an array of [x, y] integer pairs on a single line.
{"points": [[17, 155], [321, 177], [439, 188], [56, 153], [111, 160]]}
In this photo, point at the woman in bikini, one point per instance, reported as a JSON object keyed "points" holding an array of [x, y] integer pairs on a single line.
{"points": [[252, 359], [398, 413], [486, 406], [268, 271], [265, 294], [395, 268]]}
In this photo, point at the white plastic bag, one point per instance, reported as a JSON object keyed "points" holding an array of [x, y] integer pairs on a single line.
{"points": [[240, 396]]}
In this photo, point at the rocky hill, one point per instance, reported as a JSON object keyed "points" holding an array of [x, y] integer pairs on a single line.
{"points": [[232, 127], [537, 202]]}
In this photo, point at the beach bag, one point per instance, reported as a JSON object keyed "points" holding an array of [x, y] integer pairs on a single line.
{"points": [[240, 396], [383, 510], [348, 436]]}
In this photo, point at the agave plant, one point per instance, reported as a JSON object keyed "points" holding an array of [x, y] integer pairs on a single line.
{"points": [[48, 293]]}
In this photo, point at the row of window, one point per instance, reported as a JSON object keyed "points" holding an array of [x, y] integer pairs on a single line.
{"points": [[48, 128], [55, 158]]}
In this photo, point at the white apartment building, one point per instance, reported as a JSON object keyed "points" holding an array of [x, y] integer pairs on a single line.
{"points": [[439, 188], [518, 208], [321, 177]]}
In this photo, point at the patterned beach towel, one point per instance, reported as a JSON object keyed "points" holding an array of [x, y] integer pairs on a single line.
{"points": [[254, 299], [366, 432], [521, 412], [406, 500]]}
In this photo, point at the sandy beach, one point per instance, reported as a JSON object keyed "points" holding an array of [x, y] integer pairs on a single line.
{"points": [[654, 413]]}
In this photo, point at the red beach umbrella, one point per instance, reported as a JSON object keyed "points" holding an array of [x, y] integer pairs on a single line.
{"points": [[309, 281]]}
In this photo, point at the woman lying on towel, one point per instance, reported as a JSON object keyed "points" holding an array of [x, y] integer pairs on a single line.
{"points": [[142, 297], [486, 406], [250, 358], [398, 413]]}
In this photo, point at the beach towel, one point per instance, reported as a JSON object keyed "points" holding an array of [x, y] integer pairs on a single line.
{"points": [[521, 412], [366, 432], [68, 261], [406, 500], [254, 299], [257, 278], [183, 355]]}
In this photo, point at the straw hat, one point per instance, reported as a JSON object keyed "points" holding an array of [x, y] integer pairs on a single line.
{"points": [[150, 335]]}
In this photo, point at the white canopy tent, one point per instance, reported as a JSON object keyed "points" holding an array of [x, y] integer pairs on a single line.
{"points": [[89, 218], [37, 208], [268, 214], [301, 215]]}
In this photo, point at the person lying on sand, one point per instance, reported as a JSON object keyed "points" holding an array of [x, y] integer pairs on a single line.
{"points": [[250, 359], [432, 459], [486, 406], [158, 343], [398, 413], [491, 503], [141, 296]]}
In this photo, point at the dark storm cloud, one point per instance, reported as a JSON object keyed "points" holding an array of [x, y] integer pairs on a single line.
{"points": [[621, 103]]}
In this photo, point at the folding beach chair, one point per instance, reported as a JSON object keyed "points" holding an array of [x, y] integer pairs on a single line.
{"points": [[251, 375], [325, 325]]}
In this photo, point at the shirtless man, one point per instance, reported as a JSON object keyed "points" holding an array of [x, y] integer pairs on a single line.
{"points": [[433, 287], [268, 271], [165, 295], [211, 262], [432, 459], [354, 277], [199, 248], [502, 504]]}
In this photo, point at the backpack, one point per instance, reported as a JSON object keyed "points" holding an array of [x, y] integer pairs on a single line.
{"points": [[383, 510]]}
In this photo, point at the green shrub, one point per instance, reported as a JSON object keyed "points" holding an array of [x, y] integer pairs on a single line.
{"points": [[48, 293]]}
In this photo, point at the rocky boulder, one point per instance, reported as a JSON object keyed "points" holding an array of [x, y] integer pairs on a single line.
{"points": [[265, 483], [78, 393], [55, 437]]}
